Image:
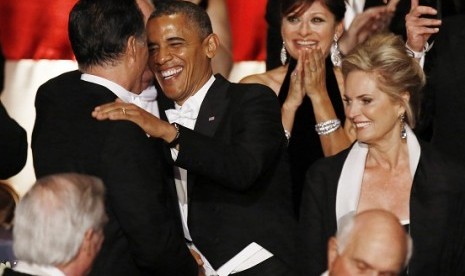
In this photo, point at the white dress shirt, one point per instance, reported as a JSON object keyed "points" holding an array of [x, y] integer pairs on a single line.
{"points": [[251, 255]]}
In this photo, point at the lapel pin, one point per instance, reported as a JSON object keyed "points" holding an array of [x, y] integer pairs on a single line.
{"points": [[211, 118]]}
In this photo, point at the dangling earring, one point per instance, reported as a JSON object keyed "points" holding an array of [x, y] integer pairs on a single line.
{"points": [[403, 132], [283, 56], [336, 57]]}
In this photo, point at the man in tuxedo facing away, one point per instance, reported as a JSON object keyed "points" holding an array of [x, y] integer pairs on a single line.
{"points": [[227, 145], [142, 236]]}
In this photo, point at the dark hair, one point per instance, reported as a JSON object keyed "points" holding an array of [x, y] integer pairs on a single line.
{"points": [[336, 7], [99, 30], [194, 14]]}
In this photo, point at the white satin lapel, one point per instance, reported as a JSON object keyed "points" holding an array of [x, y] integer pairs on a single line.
{"points": [[350, 181], [414, 151]]}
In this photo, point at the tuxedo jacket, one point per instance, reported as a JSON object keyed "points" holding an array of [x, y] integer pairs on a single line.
{"points": [[443, 106], [13, 145], [141, 237], [434, 215], [239, 187]]}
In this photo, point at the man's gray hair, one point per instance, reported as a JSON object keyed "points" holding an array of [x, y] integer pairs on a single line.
{"points": [[53, 216], [345, 233]]}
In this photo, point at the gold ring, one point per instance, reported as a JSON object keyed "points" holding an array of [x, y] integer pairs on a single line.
{"points": [[124, 110]]}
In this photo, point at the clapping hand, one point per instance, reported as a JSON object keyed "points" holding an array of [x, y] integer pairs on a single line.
{"points": [[296, 91], [308, 78], [314, 73], [370, 21]]}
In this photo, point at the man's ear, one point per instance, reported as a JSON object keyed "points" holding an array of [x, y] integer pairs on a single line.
{"points": [[332, 252], [86, 245], [212, 43], [131, 47]]}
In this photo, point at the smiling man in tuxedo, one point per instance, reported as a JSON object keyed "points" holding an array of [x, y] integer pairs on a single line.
{"points": [[227, 145]]}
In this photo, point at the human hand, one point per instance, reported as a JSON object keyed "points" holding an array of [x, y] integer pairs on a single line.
{"points": [[370, 21], [296, 93], [3, 266], [314, 73], [119, 110], [420, 29], [199, 261]]}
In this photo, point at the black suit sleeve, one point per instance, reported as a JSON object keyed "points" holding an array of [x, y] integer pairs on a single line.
{"points": [[137, 197], [13, 145], [312, 237]]}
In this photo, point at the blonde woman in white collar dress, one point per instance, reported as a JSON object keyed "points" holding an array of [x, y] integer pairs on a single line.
{"points": [[386, 168]]}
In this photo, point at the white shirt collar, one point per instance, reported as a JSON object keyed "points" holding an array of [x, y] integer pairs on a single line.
{"points": [[39, 270], [147, 99], [350, 181], [117, 89], [195, 101]]}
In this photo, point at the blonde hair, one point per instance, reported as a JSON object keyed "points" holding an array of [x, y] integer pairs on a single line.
{"points": [[397, 73]]}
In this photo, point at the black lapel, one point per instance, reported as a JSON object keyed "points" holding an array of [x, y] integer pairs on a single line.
{"points": [[211, 113], [213, 107]]}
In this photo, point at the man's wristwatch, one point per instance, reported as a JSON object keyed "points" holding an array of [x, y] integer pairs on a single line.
{"points": [[175, 141]]}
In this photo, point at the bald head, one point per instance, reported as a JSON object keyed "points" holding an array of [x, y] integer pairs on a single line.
{"points": [[373, 241]]}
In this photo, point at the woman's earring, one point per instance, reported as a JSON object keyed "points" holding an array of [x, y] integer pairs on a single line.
{"points": [[403, 132], [336, 57], [283, 55]]}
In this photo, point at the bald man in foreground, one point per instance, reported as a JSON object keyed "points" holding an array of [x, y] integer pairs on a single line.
{"points": [[371, 243]]}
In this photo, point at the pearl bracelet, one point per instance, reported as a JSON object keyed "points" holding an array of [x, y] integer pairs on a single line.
{"points": [[327, 127]]}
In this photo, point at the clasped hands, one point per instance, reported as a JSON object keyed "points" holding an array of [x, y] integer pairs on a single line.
{"points": [[308, 78]]}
